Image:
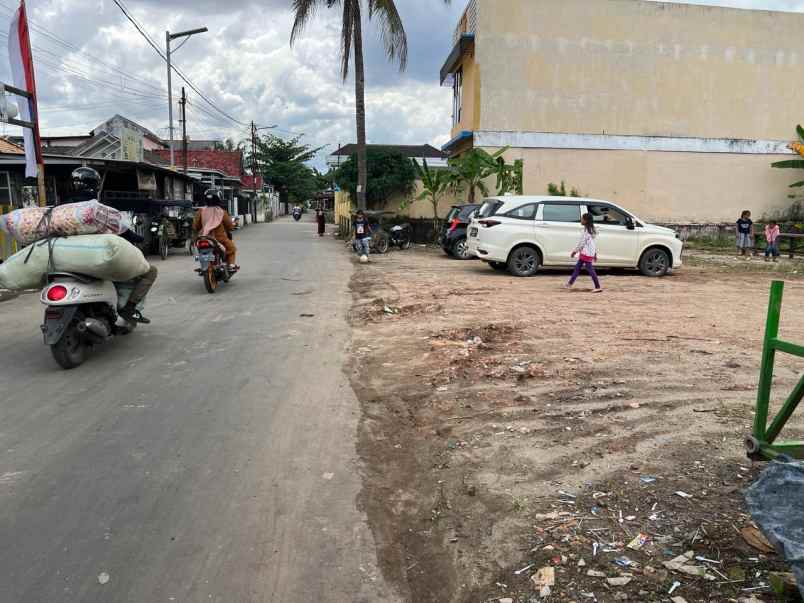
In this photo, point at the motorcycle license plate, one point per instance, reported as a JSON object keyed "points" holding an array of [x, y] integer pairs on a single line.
{"points": [[473, 232]]}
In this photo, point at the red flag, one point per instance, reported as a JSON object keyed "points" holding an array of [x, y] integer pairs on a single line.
{"points": [[22, 69]]}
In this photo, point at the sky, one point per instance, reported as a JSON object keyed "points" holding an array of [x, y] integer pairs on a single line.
{"points": [[91, 63]]}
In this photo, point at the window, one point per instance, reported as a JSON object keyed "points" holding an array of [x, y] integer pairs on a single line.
{"points": [[605, 214], [523, 212], [489, 208], [5, 189], [559, 212], [457, 97], [453, 213]]}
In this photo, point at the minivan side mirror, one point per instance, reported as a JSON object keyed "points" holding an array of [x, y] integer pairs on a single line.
{"points": [[629, 223]]}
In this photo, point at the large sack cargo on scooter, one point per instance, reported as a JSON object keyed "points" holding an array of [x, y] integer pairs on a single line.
{"points": [[33, 224], [106, 257]]}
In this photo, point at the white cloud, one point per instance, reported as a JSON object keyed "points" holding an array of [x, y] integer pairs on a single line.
{"points": [[245, 64]]}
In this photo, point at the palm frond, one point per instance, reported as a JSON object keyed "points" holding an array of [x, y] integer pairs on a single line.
{"points": [[797, 184], [392, 30], [789, 163], [351, 15], [304, 10], [800, 132]]}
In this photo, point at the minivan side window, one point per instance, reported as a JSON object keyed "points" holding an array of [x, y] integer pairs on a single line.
{"points": [[489, 208], [605, 214], [523, 212], [560, 212]]}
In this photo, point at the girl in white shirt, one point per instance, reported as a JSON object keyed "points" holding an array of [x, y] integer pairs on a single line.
{"points": [[586, 250]]}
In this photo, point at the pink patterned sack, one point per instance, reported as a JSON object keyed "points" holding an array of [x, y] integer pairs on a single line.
{"points": [[88, 217]]}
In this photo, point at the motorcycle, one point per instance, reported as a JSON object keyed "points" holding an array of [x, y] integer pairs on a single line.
{"points": [[401, 236], [297, 214], [213, 266], [81, 312]]}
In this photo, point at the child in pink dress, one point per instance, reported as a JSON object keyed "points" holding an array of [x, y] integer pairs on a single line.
{"points": [[586, 250]]}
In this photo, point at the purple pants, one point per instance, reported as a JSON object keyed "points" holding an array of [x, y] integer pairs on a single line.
{"points": [[590, 268]]}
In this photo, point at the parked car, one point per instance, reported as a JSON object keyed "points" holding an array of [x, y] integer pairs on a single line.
{"points": [[522, 234], [453, 231]]}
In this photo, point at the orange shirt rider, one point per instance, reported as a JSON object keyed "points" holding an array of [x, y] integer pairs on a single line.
{"points": [[215, 222]]}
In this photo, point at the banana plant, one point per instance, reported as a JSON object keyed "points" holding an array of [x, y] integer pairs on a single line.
{"points": [[435, 183], [473, 167], [798, 164]]}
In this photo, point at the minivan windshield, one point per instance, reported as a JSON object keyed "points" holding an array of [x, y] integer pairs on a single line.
{"points": [[489, 208]]}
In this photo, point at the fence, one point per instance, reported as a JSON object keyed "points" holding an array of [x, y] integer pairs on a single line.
{"points": [[790, 239], [343, 213]]}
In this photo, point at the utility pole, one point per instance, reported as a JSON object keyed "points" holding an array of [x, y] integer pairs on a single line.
{"points": [[168, 38], [254, 160], [170, 98], [183, 103]]}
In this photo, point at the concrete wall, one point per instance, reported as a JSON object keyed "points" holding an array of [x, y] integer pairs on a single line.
{"points": [[664, 186], [424, 208], [637, 67]]}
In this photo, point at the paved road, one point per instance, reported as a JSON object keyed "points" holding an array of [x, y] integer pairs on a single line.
{"points": [[210, 456]]}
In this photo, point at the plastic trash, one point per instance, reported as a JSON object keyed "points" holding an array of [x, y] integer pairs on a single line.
{"points": [[774, 501]]}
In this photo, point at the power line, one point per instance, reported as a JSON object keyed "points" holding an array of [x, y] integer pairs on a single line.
{"points": [[153, 45], [95, 60]]}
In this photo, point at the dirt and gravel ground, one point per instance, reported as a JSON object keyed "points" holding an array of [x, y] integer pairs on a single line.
{"points": [[509, 424]]}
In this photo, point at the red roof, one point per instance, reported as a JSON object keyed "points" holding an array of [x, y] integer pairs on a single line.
{"points": [[228, 162], [248, 181]]}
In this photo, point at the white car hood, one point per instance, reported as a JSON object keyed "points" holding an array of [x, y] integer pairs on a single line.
{"points": [[653, 228]]}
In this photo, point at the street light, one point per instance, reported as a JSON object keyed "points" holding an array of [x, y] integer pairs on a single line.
{"points": [[168, 37]]}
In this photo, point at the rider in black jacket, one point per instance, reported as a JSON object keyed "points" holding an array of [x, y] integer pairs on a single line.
{"points": [[86, 184]]}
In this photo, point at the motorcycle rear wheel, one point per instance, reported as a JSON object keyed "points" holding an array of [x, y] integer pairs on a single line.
{"points": [[70, 351], [210, 280]]}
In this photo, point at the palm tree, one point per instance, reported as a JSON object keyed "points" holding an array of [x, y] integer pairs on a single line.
{"points": [[797, 164], [392, 33]]}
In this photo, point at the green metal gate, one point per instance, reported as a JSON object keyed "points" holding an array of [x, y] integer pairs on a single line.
{"points": [[763, 444]]}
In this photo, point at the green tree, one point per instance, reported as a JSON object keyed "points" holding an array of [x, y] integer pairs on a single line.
{"points": [[797, 164], [282, 164], [392, 33], [471, 169], [435, 183], [389, 173]]}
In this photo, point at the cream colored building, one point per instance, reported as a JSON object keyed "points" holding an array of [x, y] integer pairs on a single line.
{"points": [[675, 111]]}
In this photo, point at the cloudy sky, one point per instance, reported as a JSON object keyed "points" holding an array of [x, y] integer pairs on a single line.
{"points": [[91, 63]]}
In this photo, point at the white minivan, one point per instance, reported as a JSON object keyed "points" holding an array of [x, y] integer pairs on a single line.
{"points": [[522, 234]]}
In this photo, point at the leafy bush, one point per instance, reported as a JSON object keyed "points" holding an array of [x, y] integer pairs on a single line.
{"points": [[389, 173]]}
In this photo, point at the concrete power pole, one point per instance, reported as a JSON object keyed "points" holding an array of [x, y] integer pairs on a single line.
{"points": [[183, 103], [254, 164]]}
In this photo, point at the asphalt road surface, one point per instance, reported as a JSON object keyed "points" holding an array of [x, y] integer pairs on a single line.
{"points": [[209, 456]]}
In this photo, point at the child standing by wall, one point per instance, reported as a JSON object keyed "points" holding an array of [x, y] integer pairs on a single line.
{"points": [[745, 231], [586, 250], [772, 237]]}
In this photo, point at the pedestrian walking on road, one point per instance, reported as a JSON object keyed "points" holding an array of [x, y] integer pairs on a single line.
{"points": [[745, 233], [772, 237], [322, 221], [362, 230], [586, 250]]}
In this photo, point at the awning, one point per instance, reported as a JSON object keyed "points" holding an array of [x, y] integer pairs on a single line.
{"points": [[463, 45], [463, 135]]}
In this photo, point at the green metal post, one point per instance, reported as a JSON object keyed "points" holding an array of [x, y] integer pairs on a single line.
{"points": [[768, 355]]}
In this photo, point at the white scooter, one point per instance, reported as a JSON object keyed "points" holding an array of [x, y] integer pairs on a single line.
{"points": [[81, 312]]}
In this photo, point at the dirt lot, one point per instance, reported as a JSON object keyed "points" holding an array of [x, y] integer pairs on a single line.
{"points": [[510, 423]]}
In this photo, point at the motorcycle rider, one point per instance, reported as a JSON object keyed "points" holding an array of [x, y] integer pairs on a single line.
{"points": [[214, 221], [86, 185]]}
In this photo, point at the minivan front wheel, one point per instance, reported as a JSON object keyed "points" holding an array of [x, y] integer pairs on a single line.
{"points": [[654, 262], [524, 261]]}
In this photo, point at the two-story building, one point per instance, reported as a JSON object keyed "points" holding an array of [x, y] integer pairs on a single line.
{"points": [[675, 111]]}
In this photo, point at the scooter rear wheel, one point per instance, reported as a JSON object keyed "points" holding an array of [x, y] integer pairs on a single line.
{"points": [[210, 280], [70, 351]]}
